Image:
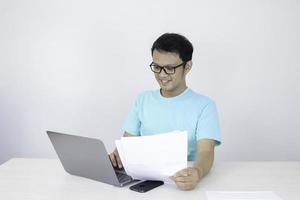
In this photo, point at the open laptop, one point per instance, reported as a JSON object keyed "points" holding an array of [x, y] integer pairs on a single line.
{"points": [[87, 157]]}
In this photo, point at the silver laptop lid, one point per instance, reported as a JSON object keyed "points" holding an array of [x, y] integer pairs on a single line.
{"points": [[84, 157]]}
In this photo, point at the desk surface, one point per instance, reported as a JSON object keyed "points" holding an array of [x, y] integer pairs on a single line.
{"points": [[22, 178]]}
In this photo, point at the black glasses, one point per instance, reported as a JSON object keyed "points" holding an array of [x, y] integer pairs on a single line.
{"points": [[167, 69]]}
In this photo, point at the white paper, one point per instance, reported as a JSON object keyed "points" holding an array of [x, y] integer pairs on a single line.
{"points": [[154, 157], [241, 195]]}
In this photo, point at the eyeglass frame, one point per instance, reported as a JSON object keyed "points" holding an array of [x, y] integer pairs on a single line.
{"points": [[163, 68]]}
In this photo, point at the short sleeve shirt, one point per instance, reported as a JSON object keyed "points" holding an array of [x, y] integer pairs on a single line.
{"points": [[154, 114]]}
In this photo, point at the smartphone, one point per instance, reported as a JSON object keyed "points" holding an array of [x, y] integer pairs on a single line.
{"points": [[146, 186]]}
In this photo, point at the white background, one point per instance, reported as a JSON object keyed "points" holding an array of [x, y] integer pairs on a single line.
{"points": [[77, 66]]}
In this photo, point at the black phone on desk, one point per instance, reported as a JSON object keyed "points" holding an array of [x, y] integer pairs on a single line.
{"points": [[145, 186]]}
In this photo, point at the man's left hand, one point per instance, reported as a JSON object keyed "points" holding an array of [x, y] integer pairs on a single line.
{"points": [[187, 179]]}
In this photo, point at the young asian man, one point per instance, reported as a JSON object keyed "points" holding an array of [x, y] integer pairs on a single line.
{"points": [[175, 106]]}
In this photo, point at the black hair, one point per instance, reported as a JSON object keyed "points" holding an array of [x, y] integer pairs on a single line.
{"points": [[175, 43]]}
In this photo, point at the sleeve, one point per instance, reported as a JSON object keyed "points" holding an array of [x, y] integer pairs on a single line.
{"points": [[132, 123], [208, 124]]}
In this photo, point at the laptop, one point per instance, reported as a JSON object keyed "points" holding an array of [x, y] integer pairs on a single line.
{"points": [[87, 157]]}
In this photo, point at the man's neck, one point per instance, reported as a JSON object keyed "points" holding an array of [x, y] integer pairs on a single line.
{"points": [[174, 93]]}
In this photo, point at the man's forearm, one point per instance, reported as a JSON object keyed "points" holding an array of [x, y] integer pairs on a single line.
{"points": [[204, 162]]}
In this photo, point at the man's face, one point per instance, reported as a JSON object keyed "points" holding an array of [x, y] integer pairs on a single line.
{"points": [[170, 83]]}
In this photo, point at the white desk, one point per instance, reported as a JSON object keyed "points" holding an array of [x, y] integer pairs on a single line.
{"points": [[43, 179]]}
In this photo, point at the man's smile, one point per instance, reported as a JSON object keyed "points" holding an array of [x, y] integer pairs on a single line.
{"points": [[164, 82]]}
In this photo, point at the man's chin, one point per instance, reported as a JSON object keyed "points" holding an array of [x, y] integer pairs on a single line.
{"points": [[166, 89]]}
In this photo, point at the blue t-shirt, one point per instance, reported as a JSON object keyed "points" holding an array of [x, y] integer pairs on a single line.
{"points": [[154, 114]]}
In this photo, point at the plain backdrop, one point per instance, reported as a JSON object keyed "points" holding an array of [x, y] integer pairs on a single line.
{"points": [[77, 66]]}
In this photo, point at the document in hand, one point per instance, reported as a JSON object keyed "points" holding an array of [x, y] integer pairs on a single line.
{"points": [[154, 157]]}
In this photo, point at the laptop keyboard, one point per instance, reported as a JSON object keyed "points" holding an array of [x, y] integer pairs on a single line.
{"points": [[122, 177]]}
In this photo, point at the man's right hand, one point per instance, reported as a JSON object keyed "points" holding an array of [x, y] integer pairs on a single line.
{"points": [[115, 159], [114, 156]]}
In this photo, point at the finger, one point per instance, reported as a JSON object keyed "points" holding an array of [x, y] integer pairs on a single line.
{"points": [[187, 172], [116, 152], [177, 178], [119, 161], [184, 179], [193, 172], [182, 172], [182, 186], [190, 170], [113, 160], [185, 186]]}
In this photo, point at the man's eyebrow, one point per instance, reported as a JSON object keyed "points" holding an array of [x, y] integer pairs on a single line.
{"points": [[168, 65]]}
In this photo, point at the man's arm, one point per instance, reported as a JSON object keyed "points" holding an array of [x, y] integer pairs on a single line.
{"points": [[187, 179], [205, 156], [114, 156]]}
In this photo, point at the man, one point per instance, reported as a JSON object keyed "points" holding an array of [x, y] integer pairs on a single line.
{"points": [[176, 107]]}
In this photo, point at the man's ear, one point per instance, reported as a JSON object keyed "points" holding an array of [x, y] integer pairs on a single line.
{"points": [[188, 66]]}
